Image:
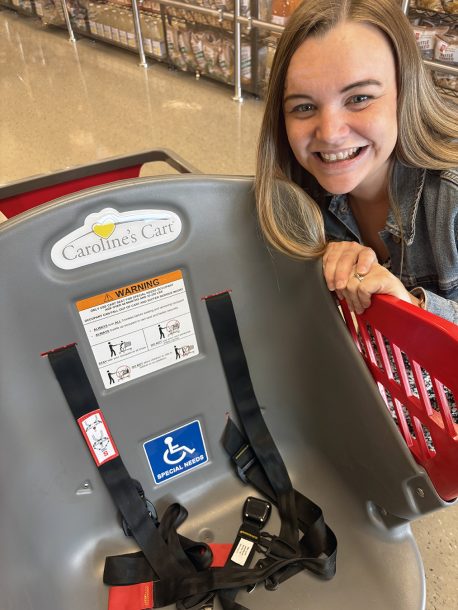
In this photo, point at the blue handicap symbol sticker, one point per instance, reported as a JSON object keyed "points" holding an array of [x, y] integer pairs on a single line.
{"points": [[176, 452]]}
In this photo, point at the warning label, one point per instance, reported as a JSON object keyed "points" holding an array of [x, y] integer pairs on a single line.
{"points": [[97, 436], [140, 328]]}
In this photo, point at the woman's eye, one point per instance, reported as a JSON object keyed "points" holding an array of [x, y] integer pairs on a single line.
{"points": [[303, 108], [359, 99]]}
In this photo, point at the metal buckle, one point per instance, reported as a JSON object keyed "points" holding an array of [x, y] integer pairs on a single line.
{"points": [[241, 470], [257, 510]]}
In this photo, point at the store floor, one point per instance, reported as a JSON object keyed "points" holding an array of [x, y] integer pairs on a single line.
{"points": [[64, 105]]}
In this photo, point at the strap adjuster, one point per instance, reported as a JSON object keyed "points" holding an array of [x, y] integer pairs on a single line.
{"points": [[244, 459], [257, 511], [149, 507]]}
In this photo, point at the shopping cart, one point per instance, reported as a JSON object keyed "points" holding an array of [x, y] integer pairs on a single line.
{"points": [[70, 264]]}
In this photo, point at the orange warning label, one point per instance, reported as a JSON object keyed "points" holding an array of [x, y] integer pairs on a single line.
{"points": [[130, 289], [139, 328]]}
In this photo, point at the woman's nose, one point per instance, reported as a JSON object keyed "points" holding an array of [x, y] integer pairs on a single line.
{"points": [[332, 126]]}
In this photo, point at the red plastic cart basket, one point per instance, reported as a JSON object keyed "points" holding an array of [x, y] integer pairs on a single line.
{"points": [[413, 357]]}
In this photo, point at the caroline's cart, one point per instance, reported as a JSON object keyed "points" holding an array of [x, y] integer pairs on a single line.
{"points": [[126, 274]]}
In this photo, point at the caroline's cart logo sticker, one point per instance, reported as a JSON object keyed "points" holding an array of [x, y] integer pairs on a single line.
{"points": [[140, 328], [176, 452], [110, 233]]}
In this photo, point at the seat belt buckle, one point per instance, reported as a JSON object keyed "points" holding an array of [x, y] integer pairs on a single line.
{"points": [[257, 511]]}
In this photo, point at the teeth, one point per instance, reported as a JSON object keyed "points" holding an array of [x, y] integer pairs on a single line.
{"points": [[340, 156]]}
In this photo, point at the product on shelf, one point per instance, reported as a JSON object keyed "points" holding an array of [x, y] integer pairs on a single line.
{"points": [[437, 40], [191, 16], [24, 6], [450, 6], [438, 6], [50, 12], [282, 10], [149, 6], [199, 49], [265, 10], [446, 81], [210, 52], [225, 5], [112, 23], [178, 50], [153, 35], [426, 38], [446, 51], [430, 5]]}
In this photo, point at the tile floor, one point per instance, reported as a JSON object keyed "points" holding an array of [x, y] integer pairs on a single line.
{"points": [[64, 105]]}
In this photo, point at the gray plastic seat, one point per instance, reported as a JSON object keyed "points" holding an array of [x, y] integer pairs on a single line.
{"points": [[331, 426]]}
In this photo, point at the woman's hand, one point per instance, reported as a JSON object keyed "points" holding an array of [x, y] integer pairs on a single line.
{"points": [[378, 280], [342, 259]]}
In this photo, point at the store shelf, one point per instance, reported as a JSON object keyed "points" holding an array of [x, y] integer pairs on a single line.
{"points": [[235, 47], [23, 7], [445, 75], [433, 16], [231, 47], [115, 26]]}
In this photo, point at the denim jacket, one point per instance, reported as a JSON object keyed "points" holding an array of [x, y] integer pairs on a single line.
{"points": [[428, 211]]}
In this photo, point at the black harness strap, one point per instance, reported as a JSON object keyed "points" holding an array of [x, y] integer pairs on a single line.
{"points": [[70, 373], [258, 461], [134, 568], [161, 545], [224, 323], [318, 538]]}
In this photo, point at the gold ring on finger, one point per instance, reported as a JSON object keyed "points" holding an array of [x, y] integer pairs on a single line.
{"points": [[358, 276]]}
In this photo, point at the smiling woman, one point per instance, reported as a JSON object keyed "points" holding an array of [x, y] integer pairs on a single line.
{"points": [[357, 157], [340, 109]]}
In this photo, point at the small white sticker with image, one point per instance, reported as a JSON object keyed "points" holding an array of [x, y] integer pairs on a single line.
{"points": [[98, 437]]}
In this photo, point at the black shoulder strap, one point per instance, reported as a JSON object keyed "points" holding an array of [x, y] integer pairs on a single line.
{"points": [[258, 461], [224, 323], [70, 373]]}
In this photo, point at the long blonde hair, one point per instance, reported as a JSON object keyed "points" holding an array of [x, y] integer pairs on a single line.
{"points": [[290, 219]]}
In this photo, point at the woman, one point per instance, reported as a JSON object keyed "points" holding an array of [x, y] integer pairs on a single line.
{"points": [[355, 133]]}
